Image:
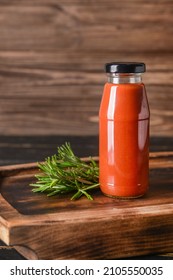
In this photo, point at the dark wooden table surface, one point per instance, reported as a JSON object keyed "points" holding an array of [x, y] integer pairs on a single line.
{"points": [[16, 150]]}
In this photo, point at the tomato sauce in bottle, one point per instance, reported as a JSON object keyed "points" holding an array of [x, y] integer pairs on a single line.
{"points": [[124, 132]]}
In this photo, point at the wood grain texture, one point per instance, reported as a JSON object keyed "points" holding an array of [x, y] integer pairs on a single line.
{"points": [[74, 25], [95, 223], [52, 56], [20, 149]]}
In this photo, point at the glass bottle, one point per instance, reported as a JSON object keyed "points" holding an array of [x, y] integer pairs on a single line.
{"points": [[124, 132]]}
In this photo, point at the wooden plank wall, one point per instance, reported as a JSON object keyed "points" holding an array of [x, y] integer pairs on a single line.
{"points": [[52, 54]]}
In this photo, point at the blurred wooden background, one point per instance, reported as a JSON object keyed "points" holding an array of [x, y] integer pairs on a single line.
{"points": [[52, 56]]}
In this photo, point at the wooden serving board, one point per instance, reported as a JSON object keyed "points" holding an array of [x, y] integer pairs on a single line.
{"points": [[105, 228]]}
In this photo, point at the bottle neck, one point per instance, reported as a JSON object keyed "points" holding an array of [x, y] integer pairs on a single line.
{"points": [[124, 78]]}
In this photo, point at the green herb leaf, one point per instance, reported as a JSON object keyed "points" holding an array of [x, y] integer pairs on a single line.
{"points": [[64, 172]]}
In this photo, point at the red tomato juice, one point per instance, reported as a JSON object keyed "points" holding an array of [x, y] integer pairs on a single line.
{"points": [[124, 140]]}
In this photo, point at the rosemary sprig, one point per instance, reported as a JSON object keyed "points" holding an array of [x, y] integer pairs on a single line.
{"points": [[64, 173]]}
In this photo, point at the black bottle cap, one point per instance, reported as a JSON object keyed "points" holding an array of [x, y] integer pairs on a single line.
{"points": [[125, 67]]}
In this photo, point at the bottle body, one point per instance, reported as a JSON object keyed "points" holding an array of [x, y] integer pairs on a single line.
{"points": [[124, 140]]}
